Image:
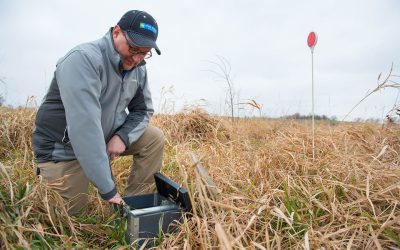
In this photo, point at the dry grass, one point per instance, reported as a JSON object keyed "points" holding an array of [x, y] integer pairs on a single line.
{"points": [[272, 195]]}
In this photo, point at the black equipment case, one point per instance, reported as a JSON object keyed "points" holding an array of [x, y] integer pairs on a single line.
{"points": [[151, 215]]}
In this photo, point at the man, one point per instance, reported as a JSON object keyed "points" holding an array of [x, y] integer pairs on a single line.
{"points": [[97, 108]]}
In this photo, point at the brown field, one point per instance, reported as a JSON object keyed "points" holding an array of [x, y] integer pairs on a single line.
{"points": [[270, 193]]}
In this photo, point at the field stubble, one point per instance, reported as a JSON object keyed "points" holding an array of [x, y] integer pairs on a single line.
{"points": [[269, 192]]}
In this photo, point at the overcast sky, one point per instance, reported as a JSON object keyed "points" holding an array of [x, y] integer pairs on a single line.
{"points": [[264, 42]]}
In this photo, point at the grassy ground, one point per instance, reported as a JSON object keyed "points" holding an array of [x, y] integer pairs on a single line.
{"points": [[270, 193]]}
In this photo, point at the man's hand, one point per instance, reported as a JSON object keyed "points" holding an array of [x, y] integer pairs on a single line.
{"points": [[115, 147], [118, 204], [117, 199]]}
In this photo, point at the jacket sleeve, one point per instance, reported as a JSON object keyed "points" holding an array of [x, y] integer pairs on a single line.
{"points": [[140, 110], [80, 88]]}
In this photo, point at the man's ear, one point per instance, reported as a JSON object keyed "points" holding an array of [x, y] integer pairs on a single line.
{"points": [[116, 30]]}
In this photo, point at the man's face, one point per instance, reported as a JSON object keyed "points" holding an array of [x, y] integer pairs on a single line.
{"points": [[131, 55]]}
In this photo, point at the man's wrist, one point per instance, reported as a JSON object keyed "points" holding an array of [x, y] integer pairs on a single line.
{"points": [[124, 138], [109, 195]]}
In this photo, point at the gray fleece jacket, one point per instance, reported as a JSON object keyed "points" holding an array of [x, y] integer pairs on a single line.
{"points": [[89, 100]]}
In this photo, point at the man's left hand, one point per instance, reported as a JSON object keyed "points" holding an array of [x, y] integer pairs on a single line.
{"points": [[115, 147]]}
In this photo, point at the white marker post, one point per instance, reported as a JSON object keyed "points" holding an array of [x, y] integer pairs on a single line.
{"points": [[311, 42]]}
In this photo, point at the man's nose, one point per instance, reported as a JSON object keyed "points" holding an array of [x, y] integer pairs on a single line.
{"points": [[138, 57]]}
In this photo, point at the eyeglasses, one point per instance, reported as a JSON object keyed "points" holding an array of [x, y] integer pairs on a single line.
{"points": [[134, 50]]}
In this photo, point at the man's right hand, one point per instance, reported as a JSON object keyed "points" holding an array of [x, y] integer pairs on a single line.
{"points": [[115, 147], [116, 199]]}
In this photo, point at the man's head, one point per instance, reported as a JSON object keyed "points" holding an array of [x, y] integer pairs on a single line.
{"points": [[134, 36]]}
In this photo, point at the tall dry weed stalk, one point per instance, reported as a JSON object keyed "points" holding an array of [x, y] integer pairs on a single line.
{"points": [[223, 72], [388, 82]]}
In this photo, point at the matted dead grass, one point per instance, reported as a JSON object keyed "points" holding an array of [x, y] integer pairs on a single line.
{"points": [[271, 194]]}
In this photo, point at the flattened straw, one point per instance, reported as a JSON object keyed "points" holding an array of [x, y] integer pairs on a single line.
{"points": [[267, 240], [259, 246], [306, 241], [251, 221], [203, 198], [374, 239], [3, 169], [206, 231], [46, 201], [327, 236], [277, 238], [223, 237], [390, 188], [210, 184], [350, 244], [367, 194], [21, 239], [388, 222], [383, 150], [143, 246], [278, 213], [184, 173], [221, 205]]}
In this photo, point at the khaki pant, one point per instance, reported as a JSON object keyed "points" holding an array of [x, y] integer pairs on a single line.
{"points": [[69, 180]]}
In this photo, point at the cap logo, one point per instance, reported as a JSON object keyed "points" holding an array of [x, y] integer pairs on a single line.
{"points": [[148, 27]]}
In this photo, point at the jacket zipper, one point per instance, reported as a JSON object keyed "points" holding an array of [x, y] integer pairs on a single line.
{"points": [[119, 101]]}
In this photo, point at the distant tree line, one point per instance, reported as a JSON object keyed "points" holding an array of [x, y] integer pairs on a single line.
{"points": [[298, 116], [333, 119]]}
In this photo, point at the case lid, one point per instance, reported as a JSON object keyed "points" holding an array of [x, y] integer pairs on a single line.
{"points": [[171, 190]]}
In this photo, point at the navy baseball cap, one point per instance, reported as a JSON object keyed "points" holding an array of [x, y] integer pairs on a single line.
{"points": [[141, 28]]}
